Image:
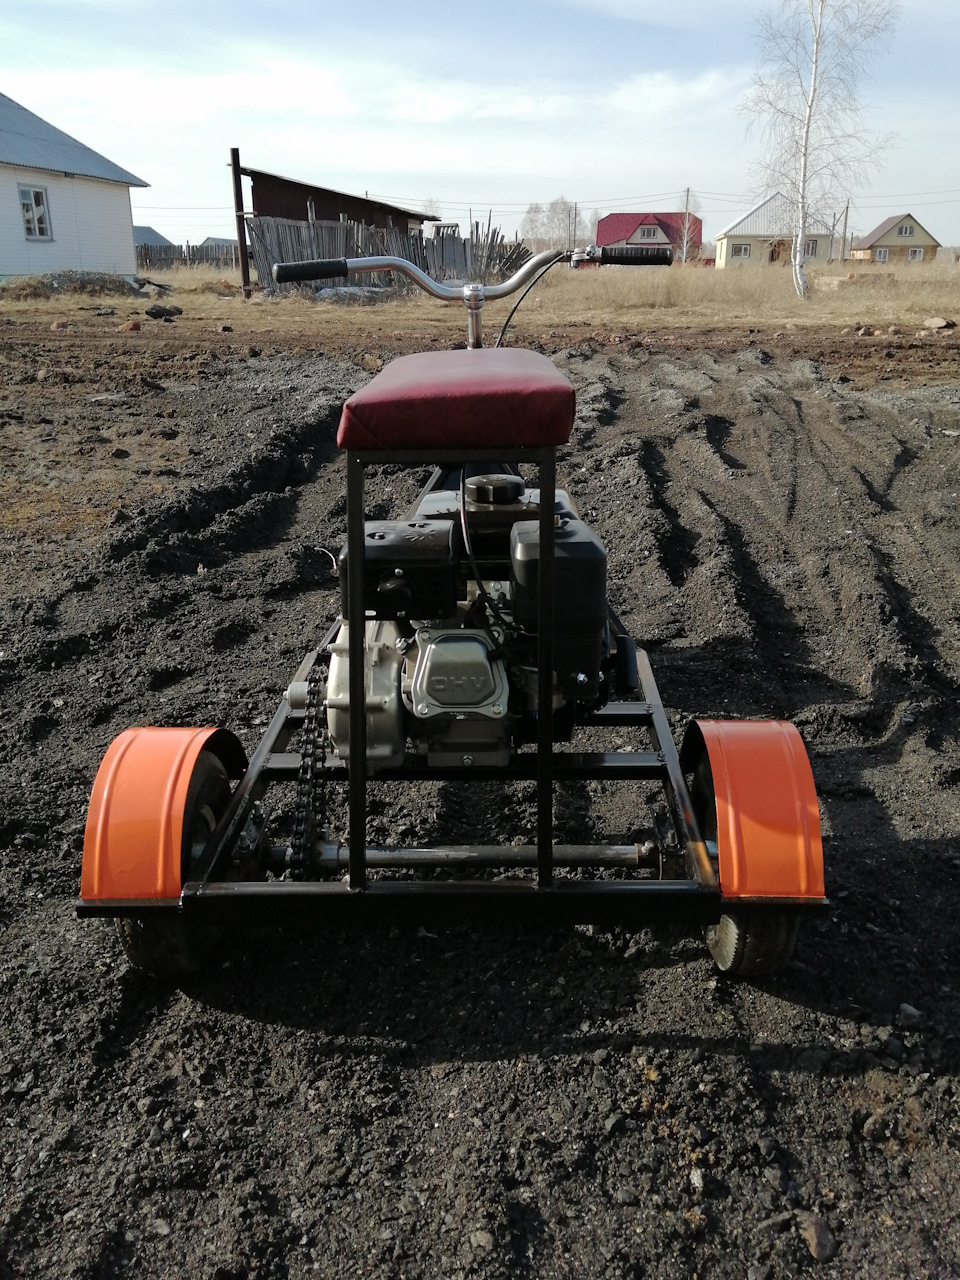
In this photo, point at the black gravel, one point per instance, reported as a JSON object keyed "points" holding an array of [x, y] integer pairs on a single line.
{"points": [[452, 1102]]}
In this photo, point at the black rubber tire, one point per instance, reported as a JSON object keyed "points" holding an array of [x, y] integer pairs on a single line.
{"points": [[165, 944], [743, 945], [752, 946]]}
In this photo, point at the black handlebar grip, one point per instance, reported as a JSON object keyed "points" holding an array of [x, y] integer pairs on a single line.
{"points": [[318, 269], [638, 255]]}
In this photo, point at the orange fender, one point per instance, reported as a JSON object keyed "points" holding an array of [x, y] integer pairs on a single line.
{"points": [[768, 822], [132, 842]]}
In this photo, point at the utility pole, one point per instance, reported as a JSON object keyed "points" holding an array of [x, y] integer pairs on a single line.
{"points": [[843, 237], [241, 224], [686, 226]]}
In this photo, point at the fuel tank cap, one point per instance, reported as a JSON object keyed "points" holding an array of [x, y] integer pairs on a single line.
{"points": [[495, 490]]}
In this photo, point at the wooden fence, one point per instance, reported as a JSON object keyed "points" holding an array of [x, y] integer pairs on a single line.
{"points": [[222, 256], [484, 255]]}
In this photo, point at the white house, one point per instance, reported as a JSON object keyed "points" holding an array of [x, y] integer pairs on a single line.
{"points": [[765, 235], [62, 205]]}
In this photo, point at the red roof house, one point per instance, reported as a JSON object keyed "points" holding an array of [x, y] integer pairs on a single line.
{"points": [[651, 228]]}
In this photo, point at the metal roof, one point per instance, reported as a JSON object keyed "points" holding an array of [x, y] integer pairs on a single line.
{"points": [[871, 238], [865, 242], [147, 235], [772, 217], [31, 143], [254, 174], [620, 226]]}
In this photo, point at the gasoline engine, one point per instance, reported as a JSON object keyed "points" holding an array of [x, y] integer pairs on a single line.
{"points": [[450, 594]]}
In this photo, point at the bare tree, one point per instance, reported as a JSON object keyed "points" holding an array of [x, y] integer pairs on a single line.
{"points": [[689, 245], [806, 99], [532, 228], [552, 227]]}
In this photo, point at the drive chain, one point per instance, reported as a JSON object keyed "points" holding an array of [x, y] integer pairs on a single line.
{"points": [[309, 812]]}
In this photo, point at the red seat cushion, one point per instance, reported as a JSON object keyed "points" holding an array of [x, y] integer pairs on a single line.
{"points": [[485, 399]]}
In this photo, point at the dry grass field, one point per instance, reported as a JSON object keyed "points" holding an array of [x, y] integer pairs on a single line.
{"points": [[612, 299]]}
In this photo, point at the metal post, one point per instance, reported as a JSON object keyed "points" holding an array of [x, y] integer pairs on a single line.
{"points": [[357, 684], [312, 220], [548, 482], [473, 296], [843, 237], [241, 224]]}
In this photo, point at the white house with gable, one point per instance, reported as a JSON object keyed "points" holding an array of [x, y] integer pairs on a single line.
{"points": [[62, 205], [765, 235]]}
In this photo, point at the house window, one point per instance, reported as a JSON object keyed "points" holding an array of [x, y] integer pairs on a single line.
{"points": [[809, 248], [648, 233], [883, 255], [36, 219], [739, 251], [914, 255], [905, 229]]}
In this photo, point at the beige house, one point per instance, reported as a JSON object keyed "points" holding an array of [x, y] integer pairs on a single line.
{"points": [[897, 239], [765, 235]]}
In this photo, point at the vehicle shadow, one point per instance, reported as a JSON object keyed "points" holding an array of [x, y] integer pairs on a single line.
{"points": [[432, 995]]}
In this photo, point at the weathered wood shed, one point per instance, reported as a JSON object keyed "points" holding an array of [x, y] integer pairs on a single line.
{"points": [[277, 197]]}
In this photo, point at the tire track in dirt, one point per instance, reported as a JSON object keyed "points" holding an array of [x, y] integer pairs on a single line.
{"points": [[446, 1102], [839, 568]]}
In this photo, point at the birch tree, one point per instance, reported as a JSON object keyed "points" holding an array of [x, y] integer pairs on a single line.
{"points": [[550, 227], [691, 208], [806, 100]]}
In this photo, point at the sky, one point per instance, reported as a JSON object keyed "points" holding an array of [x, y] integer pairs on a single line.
{"points": [[616, 105]]}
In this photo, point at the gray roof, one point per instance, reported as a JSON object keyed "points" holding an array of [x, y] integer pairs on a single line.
{"points": [[147, 235], [773, 217], [31, 143], [871, 238]]}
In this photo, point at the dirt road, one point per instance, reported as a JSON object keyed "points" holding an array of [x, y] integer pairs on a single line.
{"points": [[781, 513]]}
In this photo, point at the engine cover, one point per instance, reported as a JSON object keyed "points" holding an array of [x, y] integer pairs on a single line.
{"points": [[382, 664], [410, 569], [455, 674]]}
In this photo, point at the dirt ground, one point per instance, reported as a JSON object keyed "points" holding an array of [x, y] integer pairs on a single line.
{"points": [[781, 514]]}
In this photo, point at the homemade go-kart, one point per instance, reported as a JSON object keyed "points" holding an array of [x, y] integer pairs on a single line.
{"points": [[475, 643]]}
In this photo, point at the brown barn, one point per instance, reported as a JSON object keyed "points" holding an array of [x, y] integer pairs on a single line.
{"points": [[276, 197]]}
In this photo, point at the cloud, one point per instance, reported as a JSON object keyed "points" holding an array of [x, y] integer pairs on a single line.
{"points": [[690, 15], [664, 96], [577, 104]]}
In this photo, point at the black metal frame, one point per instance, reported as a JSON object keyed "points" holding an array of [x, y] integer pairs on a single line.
{"points": [[543, 898]]}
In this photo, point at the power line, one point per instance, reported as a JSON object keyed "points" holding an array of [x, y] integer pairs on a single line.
{"points": [[912, 195], [504, 206], [873, 205]]}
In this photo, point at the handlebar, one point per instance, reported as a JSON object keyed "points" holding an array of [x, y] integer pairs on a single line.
{"points": [[472, 295], [638, 255], [331, 268], [319, 269]]}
